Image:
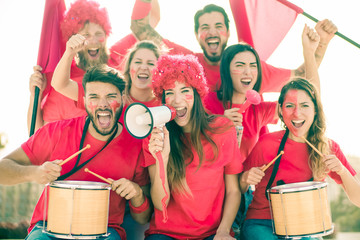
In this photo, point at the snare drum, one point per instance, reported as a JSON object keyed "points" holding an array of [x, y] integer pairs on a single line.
{"points": [[77, 209], [300, 209]]}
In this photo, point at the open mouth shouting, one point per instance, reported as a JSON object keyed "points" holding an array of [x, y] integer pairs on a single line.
{"points": [[297, 123], [93, 52], [143, 77], [246, 81], [104, 118], [181, 112], [213, 43]]}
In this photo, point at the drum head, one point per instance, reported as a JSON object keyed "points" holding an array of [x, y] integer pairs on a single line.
{"points": [[80, 185], [295, 187]]}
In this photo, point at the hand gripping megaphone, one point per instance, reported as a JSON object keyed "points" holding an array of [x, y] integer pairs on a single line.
{"points": [[140, 119]]}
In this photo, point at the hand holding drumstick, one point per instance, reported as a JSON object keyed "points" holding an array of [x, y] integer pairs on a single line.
{"points": [[254, 175], [332, 163], [123, 187]]}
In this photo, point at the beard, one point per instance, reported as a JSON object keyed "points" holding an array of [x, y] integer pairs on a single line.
{"points": [[105, 132], [214, 58], [84, 62]]}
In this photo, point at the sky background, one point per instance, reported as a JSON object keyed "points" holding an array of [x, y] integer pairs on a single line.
{"points": [[20, 26]]}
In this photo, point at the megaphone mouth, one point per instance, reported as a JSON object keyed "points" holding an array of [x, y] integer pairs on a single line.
{"points": [[140, 119]]}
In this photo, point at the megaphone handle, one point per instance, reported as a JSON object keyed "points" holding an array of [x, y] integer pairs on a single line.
{"points": [[239, 133], [162, 178]]}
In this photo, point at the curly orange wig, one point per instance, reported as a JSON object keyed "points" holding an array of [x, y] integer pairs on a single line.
{"points": [[181, 68], [82, 11]]}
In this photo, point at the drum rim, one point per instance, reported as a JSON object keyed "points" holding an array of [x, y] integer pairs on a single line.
{"points": [[317, 234], [76, 236], [80, 185], [296, 187]]}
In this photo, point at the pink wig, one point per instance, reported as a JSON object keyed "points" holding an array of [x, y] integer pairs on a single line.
{"points": [[82, 11], [185, 69]]}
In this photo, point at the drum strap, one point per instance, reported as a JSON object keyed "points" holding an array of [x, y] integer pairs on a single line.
{"points": [[277, 162], [77, 166]]}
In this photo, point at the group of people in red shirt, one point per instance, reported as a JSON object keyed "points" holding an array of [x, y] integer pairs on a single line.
{"points": [[205, 173]]}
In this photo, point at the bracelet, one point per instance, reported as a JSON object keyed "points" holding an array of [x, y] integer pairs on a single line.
{"points": [[141, 10], [144, 206]]}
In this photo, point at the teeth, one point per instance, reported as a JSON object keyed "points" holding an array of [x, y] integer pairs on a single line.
{"points": [[103, 114], [180, 108], [297, 121], [246, 80], [143, 75], [93, 49], [213, 41]]}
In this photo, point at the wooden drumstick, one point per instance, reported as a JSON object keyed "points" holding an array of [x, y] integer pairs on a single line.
{"points": [[272, 161], [97, 175], [74, 155], [312, 146]]}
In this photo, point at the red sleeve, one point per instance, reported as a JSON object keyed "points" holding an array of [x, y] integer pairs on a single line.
{"points": [[148, 157], [266, 112], [119, 50], [175, 48], [141, 174], [80, 103], [213, 104], [273, 79], [40, 145], [335, 148]]}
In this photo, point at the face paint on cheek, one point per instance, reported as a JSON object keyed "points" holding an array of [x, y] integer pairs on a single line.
{"points": [[203, 36], [167, 100], [102, 39], [223, 33], [189, 97], [92, 106], [114, 105], [237, 72], [132, 72]]}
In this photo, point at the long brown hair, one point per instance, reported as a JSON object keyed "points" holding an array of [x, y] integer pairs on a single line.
{"points": [[316, 134]]}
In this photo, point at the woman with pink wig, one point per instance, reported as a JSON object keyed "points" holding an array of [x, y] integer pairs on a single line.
{"points": [[200, 195]]}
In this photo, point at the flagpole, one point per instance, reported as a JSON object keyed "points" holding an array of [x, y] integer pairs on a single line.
{"points": [[34, 112], [301, 11]]}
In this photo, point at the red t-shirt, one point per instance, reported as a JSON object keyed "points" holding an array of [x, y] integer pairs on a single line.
{"points": [[199, 216], [294, 167], [254, 118], [120, 159]]}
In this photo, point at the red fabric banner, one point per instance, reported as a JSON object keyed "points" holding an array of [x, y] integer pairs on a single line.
{"points": [[51, 47], [262, 23]]}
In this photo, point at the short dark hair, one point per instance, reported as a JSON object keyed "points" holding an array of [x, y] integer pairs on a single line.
{"points": [[208, 9], [105, 74]]}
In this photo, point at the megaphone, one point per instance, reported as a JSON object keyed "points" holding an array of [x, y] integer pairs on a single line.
{"points": [[140, 119]]}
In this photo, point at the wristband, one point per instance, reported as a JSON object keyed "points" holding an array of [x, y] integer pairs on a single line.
{"points": [[144, 206], [141, 10]]}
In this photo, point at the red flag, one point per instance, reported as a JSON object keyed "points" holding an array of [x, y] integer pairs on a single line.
{"points": [[262, 23], [51, 47]]}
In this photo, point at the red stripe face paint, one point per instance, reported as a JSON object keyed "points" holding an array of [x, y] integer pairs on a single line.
{"points": [[101, 39], [167, 100], [92, 107], [189, 97], [132, 73], [223, 33], [114, 105], [203, 35]]}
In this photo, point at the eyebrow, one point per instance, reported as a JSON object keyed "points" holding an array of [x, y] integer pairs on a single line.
{"points": [[244, 62]]}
